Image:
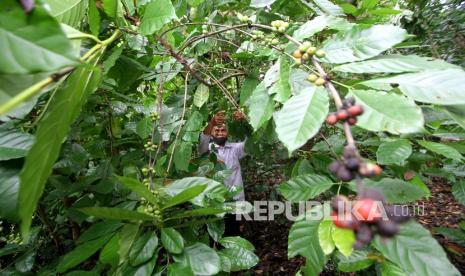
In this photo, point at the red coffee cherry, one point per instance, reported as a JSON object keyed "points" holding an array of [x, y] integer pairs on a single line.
{"points": [[331, 119], [355, 110], [342, 114], [345, 220], [367, 210]]}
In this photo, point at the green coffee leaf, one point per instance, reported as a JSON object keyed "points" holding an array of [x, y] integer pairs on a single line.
{"points": [[394, 152], [156, 15], [402, 116], [359, 44], [301, 117], [425, 255], [304, 187]]}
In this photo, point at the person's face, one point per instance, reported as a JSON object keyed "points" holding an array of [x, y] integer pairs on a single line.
{"points": [[220, 131]]}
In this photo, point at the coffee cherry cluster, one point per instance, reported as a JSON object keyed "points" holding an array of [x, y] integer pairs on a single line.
{"points": [[306, 51], [154, 116], [352, 165], [318, 81], [150, 208], [365, 216], [256, 34], [243, 18], [279, 26], [348, 112], [149, 146], [148, 170]]}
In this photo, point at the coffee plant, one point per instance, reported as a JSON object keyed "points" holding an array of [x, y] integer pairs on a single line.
{"points": [[102, 103]]}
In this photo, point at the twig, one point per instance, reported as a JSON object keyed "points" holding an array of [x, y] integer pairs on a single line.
{"points": [[181, 60]]}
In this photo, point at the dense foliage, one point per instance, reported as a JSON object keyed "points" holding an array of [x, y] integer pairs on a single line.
{"points": [[102, 103]]}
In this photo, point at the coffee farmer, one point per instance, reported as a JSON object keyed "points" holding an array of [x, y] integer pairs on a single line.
{"points": [[215, 139]]}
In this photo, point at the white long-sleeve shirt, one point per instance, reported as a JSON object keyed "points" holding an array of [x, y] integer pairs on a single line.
{"points": [[229, 154]]}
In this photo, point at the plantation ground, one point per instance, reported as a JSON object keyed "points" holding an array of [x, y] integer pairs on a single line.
{"points": [[270, 237]]}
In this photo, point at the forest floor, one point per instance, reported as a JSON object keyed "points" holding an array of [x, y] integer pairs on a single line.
{"points": [[270, 237]]}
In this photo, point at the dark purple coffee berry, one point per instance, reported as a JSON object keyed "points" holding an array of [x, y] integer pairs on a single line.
{"points": [[364, 233], [387, 228], [340, 203], [334, 166], [358, 245], [352, 163], [344, 174]]}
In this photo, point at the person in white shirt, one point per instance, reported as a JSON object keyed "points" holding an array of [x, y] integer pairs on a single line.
{"points": [[215, 139]]}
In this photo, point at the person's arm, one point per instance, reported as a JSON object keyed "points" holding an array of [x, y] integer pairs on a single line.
{"points": [[240, 149]]}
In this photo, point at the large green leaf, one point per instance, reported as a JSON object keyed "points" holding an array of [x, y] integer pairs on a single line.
{"points": [[115, 213], [172, 240], [14, 144], [458, 190], [214, 188], [324, 235], [70, 12], [303, 240], [282, 88], [318, 24], [156, 15], [416, 252], [184, 196], [31, 43], [9, 185], [301, 117], [443, 87], [358, 260], [248, 86], [397, 191], [109, 254], [239, 253], [202, 259], [182, 156], [344, 239], [394, 64], [394, 152], [143, 249], [360, 44], [81, 253], [51, 132], [260, 106], [388, 112], [305, 187], [139, 188], [201, 95], [444, 150], [99, 229], [324, 7]]}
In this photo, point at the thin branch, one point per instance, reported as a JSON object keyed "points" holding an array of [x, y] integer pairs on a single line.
{"points": [[181, 60]]}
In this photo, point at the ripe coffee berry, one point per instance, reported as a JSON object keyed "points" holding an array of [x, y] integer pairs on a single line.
{"points": [[355, 110], [331, 119], [344, 220], [367, 210], [342, 114]]}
